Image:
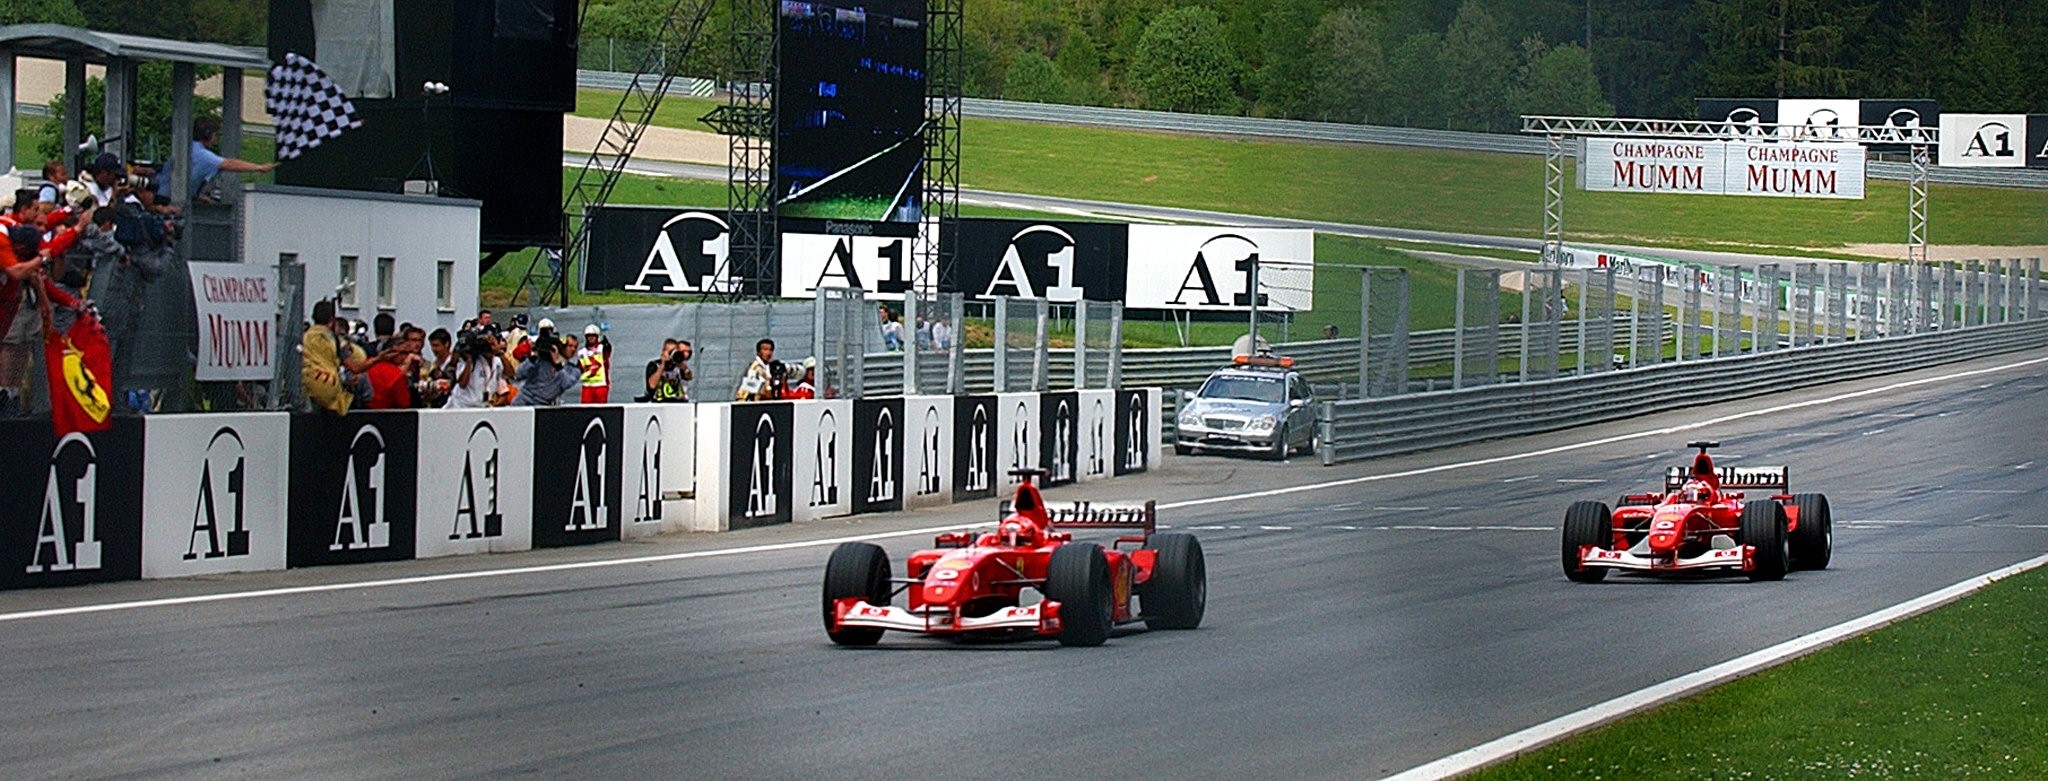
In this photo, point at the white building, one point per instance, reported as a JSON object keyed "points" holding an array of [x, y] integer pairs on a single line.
{"points": [[414, 256]]}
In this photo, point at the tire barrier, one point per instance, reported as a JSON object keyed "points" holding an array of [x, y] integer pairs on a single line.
{"points": [[206, 494]]}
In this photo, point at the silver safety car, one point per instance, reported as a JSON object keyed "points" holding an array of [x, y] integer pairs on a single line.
{"points": [[1259, 404]]}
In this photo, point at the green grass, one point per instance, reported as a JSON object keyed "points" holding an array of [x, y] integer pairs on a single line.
{"points": [[675, 110], [1483, 193], [1492, 194], [1955, 693]]}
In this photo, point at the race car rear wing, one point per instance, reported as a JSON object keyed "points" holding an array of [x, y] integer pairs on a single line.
{"points": [[1097, 515], [1774, 478]]}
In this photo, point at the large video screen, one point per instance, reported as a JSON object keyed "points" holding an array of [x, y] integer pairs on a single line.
{"points": [[849, 110]]}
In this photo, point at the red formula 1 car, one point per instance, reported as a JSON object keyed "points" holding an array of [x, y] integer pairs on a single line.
{"points": [[1699, 523], [1028, 577]]}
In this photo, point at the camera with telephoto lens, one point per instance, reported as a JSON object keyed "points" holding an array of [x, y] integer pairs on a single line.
{"points": [[472, 342]]}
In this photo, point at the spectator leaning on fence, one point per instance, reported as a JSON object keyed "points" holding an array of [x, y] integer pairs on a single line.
{"points": [[942, 333], [391, 373], [324, 356], [758, 384], [892, 330]]}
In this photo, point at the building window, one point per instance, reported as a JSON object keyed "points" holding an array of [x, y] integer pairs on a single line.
{"points": [[444, 286], [349, 278], [387, 287]]}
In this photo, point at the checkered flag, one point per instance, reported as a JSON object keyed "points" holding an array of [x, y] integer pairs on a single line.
{"points": [[309, 107]]}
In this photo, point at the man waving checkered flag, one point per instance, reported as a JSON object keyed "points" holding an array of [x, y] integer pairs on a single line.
{"points": [[309, 107]]}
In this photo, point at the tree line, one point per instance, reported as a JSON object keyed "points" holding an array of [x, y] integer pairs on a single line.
{"points": [[1460, 64], [1478, 64]]}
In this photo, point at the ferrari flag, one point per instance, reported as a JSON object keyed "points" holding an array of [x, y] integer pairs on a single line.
{"points": [[80, 365]]}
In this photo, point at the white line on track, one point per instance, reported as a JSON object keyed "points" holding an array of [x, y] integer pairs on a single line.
{"points": [[1573, 723], [197, 599]]}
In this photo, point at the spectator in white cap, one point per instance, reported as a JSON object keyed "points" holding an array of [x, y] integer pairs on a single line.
{"points": [[806, 388], [524, 346], [594, 360]]}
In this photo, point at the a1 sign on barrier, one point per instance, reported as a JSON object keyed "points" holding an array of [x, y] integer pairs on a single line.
{"points": [[216, 487], [353, 488], [976, 423], [576, 483], [76, 516], [477, 501]]}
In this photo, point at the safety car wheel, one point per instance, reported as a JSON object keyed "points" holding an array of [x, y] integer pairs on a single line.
{"points": [[1763, 526], [1278, 452], [856, 569], [1078, 579], [1181, 450], [1813, 543], [1178, 592], [1586, 523]]}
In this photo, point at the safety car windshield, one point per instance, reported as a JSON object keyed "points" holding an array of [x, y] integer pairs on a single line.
{"points": [[1241, 387]]}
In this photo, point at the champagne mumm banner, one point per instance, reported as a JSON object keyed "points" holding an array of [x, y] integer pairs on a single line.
{"points": [[237, 312]]}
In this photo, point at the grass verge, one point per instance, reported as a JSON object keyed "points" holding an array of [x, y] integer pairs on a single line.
{"points": [[1954, 693]]}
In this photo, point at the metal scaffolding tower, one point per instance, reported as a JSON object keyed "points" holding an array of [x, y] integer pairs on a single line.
{"points": [[659, 66], [944, 77], [748, 119]]}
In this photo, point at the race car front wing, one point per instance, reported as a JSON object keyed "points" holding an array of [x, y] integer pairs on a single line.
{"points": [[1043, 618], [1740, 557]]}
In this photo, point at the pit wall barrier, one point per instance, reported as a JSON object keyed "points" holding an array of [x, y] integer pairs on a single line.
{"points": [[182, 495]]}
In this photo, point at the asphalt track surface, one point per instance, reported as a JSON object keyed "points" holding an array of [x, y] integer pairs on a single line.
{"points": [[1352, 631]]}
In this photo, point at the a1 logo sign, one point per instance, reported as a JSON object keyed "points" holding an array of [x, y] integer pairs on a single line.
{"points": [[67, 535]]}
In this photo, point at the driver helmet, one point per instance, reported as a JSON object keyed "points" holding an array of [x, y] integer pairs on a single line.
{"points": [[1015, 533], [1695, 492]]}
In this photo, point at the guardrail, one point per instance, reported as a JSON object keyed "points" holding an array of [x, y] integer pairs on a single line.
{"points": [[1353, 430], [1323, 361], [1449, 140]]}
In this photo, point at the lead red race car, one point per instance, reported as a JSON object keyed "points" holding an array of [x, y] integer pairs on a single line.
{"points": [[1701, 522], [1028, 577]]}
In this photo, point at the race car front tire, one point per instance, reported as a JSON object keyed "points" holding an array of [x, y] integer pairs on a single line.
{"points": [[1178, 592], [1078, 579], [856, 569], [1813, 543], [1763, 526], [1586, 523]]}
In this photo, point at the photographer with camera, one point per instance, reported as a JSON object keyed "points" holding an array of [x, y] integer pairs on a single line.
{"points": [[548, 371], [668, 377], [480, 369]]}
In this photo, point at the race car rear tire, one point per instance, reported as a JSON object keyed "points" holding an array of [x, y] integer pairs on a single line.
{"points": [[1078, 579], [1178, 592], [856, 569], [1763, 526], [1813, 543], [1586, 523]]}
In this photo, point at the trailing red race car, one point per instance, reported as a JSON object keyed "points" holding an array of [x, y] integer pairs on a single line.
{"points": [[1699, 523], [1027, 577]]}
